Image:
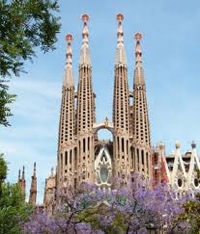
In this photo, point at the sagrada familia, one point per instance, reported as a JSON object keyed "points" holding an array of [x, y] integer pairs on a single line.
{"points": [[83, 157]]}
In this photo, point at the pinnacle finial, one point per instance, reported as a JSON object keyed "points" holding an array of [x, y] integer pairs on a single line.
{"points": [[68, 79], [85, 18], [193, 145], [85, 57], [19, 175], [34, 170], [138, 36], [85, 32], [120, 17], [138, 50], [120, 55], [177, 145], [120, 33], [23, 173], [69, 38]]}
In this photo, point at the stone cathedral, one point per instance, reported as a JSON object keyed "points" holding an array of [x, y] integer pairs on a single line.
{"points": [[82, 157]]}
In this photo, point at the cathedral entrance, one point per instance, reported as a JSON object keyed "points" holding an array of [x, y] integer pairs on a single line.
{"points": [[103, 157]]}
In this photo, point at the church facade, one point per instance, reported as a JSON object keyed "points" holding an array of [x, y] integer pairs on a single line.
{"points": [[83, 157]]}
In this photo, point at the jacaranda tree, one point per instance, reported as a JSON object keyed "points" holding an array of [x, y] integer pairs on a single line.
{"points": [[133, 208]]}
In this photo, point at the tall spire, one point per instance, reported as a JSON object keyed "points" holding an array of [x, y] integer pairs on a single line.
{"points": [[85, 52], [23, 183], [120, 54], [141, 128], [67, 116], [68, 78], [85, 95], [121, 106], [85, 109], [33, 190], [140, 121]]}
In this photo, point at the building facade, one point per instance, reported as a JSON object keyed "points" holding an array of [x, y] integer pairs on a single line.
{"points": [[178, 169], [82, 156]]}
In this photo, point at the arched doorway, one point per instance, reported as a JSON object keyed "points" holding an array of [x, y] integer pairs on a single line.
{"points": [[103, 164]]}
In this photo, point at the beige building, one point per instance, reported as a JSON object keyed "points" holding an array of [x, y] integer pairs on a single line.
{"points": [[83, 157]]}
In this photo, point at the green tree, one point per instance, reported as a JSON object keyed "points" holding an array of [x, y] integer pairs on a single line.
{"points": [[25, 26], [13, 210], [192, 211], [3, 171]]}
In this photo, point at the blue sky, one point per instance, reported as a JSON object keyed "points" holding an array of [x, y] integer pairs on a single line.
{"points": [[171, 51]]}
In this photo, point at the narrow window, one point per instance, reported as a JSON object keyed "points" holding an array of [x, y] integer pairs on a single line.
{"points": [[88, 143], [142, 157], [66, 157], [70, 157], [122, 144], [84, 145]]}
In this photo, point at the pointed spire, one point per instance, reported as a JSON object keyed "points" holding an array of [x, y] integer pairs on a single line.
{"points": [[22, 182], [33, 190], [23, 173], [19, 176], [120, 54], [85, 52], [52, 172], [34, 170], [138, 50], [139, 75], [68, 78]]}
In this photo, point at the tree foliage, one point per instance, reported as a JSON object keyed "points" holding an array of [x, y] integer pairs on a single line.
{"points": [[13, 210], [5, 100], [130, 209], [3, 168], [25, 26], [191, 212]]}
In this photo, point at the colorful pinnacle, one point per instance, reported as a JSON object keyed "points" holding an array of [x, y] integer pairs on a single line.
{"points": [[85, 18], [69, 37], [138, 36], [120, 17]]}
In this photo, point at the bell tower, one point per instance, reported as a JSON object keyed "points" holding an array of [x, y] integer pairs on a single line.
{"points": [[121, 109], [141, 144]]}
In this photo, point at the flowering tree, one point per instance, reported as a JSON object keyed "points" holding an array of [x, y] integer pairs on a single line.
{"points": [[132, 208]]}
